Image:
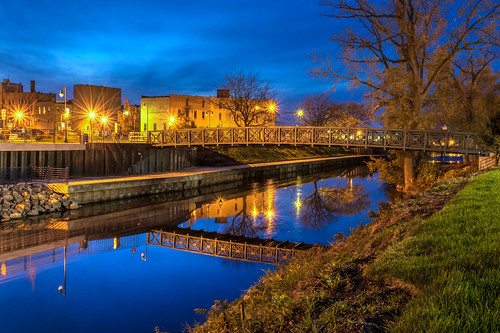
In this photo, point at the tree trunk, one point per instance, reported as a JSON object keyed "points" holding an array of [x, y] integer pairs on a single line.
{"points": [[408, 170]]}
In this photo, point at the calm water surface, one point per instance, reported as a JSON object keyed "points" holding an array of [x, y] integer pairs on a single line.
{"points": [[115, 282]]}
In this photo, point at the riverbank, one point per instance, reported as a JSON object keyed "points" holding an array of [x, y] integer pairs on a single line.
{"points": [[428, 263], [27, 199]]}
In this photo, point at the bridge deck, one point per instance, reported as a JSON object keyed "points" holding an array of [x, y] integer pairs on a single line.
{"points": [[433, 141], [227, 246]]}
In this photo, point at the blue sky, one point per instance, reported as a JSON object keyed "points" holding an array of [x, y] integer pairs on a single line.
{"points": [[160, 47]]}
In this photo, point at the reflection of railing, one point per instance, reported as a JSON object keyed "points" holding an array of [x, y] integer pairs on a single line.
{"points": [[260, 250], [49, 174], [437, 141]]}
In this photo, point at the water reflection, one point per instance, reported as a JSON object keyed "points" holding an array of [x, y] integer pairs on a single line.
{"points": [[327, 203], [109, 261]]}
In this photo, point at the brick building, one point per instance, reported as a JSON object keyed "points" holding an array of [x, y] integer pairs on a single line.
{"points": [[157, 112], [35, 109], [96, 108]]}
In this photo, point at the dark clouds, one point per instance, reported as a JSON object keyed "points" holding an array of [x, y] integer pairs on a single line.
{"points": [[163, 47]]}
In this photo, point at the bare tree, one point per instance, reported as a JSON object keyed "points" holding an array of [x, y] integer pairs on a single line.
{"points": [[399, 48], [250, 101], [316, 110], [319, 110]]}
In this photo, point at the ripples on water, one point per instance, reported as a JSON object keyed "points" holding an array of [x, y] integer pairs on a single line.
{"points": [[115, 282]]}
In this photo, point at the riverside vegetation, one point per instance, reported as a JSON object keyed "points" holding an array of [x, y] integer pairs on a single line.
{"points": [[26, 199], [429, 263]]}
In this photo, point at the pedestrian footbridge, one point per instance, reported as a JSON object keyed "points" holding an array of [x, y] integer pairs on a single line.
{"points": [[432, 141]]}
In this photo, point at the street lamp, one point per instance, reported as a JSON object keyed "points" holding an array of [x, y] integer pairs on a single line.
{"points": [[91, 116], [171, 121], [19, 116], [61, 94], [299, 113]]}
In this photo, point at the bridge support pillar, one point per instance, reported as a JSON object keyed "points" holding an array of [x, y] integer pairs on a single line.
{"points": [[408, 170]]}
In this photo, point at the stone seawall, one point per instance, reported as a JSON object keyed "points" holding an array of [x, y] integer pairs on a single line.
{"points": [[101, 190]]}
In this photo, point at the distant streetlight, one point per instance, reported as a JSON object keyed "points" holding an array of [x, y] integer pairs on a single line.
{"points": [[299, 114], [91, 118], [62, 93]]}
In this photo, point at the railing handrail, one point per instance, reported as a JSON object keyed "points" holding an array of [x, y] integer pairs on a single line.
{"points": [[425, 140]]}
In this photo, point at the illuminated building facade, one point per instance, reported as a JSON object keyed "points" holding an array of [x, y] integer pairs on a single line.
{"points": [[95, 108], [31, 109], [180, 111]]}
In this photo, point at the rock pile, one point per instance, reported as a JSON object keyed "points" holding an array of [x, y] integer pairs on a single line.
{"points": [[25, 199]]}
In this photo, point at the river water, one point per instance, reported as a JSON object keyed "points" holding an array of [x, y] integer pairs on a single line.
{"points": [[94, 271]]}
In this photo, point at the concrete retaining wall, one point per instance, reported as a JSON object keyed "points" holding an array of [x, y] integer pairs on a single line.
{"points": [[84, 192]]}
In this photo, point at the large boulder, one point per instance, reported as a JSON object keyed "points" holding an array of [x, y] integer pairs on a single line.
{"points": [[8, 198]]}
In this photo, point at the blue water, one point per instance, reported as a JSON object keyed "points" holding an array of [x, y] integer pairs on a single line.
{"points": [[121, 284]]}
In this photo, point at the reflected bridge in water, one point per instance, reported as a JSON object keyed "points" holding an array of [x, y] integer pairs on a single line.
{"points": [[227, 246]]}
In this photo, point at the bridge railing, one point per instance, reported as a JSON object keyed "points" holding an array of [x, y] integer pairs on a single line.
{"points": [[435, 141]]}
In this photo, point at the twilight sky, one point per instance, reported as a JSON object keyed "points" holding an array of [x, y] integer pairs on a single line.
{"points": [[159, 47]]}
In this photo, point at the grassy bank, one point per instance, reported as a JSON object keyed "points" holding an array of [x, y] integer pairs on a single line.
{"points": [[260, 154], [418, 267]]}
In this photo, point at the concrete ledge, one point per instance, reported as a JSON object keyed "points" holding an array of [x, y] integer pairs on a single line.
{"points": [[106, 189], [41, 146]]}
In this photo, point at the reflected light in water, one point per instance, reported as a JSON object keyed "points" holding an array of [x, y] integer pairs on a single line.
{"points": [[4, 269]]}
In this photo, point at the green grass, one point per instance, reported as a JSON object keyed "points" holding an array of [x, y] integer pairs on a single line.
{"points": [[453, 260], [260, 154]]}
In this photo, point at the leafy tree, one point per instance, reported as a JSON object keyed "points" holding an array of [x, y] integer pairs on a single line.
{"points": [[129, 118], [469, 95], [491, 134], [250, 101], [350, 114], [398, 49]]}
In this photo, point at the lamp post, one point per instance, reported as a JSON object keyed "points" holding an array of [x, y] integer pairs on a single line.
{"points": [[61, 94], [300, 113], [19, 116], [103, 120], [91, 116]]}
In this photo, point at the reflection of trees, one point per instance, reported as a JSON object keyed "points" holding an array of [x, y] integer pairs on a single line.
{"points": [[326, 204], [246, 224]]}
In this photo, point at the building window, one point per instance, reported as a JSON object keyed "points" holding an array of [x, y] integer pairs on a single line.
{"points": [[39, 110], [194, 114], [187, 101], [203, 104], [44, 110], [154, 127], [220, 116], [145, 128], [202, 115]]}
